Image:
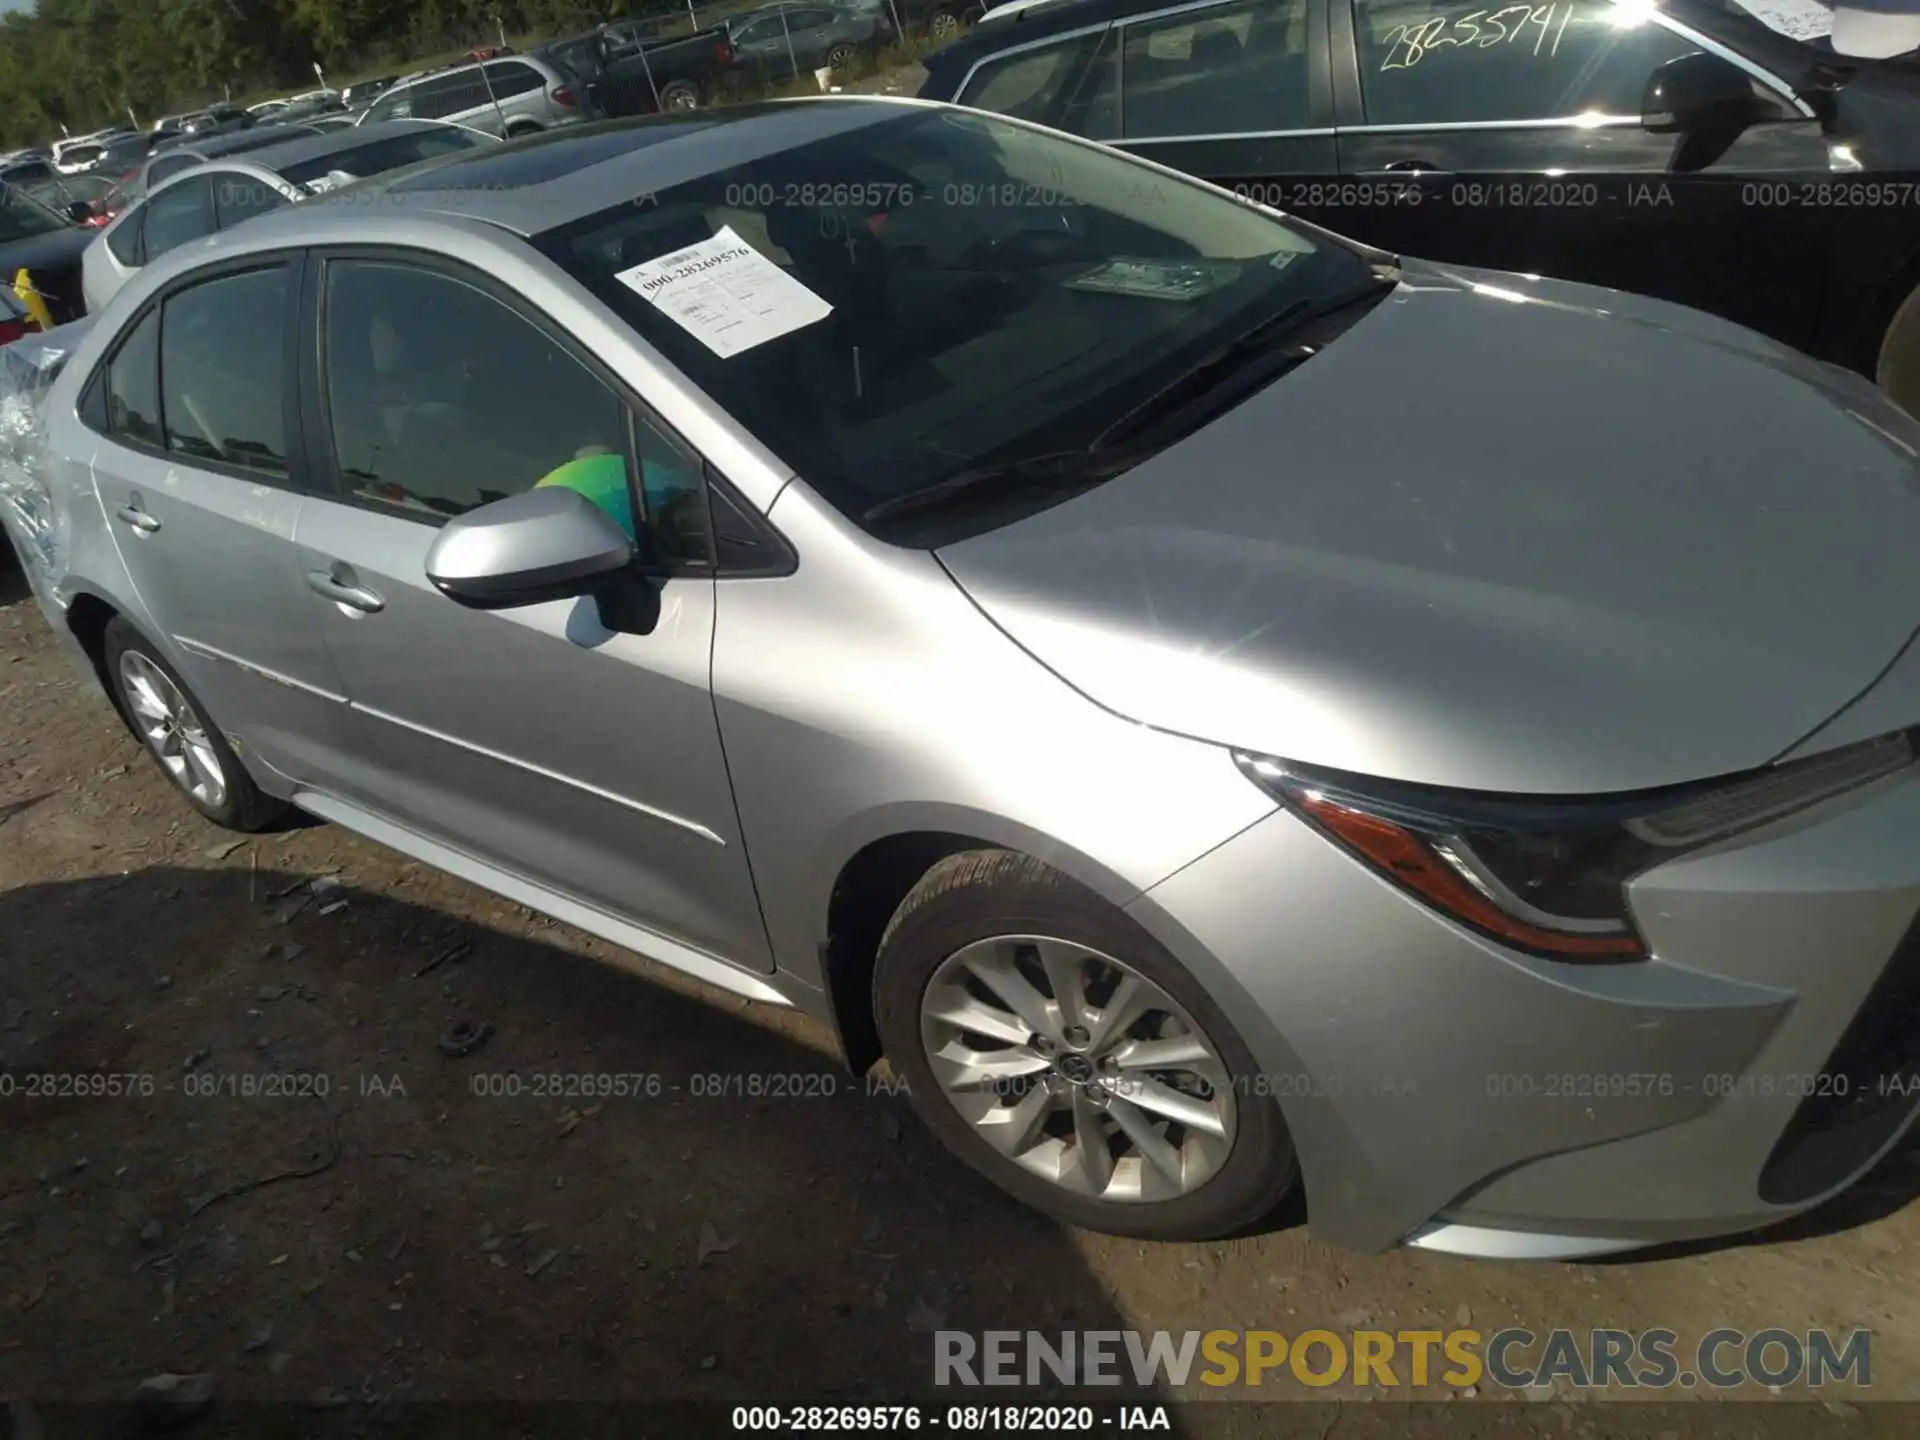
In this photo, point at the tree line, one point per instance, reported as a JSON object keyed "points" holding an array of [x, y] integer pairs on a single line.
{"points": [[87, 63]]}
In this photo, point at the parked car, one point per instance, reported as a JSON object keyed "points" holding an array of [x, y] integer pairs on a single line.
{"points": [[73, 196], [47, 245], [123, 154], [218, 120], [224, 191], [362, 93], [795, 37], [169, 160], [78, 159], [518, 95], [1055, 672], [939, 20], [27, 170], [1686, 151], [314, 103], [77, 153], [626, 76]]}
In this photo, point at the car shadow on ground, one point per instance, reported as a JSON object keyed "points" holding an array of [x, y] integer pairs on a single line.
{"points": [[237, 1143]]}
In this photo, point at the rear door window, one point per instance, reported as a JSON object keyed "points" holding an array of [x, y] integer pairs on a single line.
{"points": [[222, 361], [169, 166], [177, 215], [1071, 85], [512, 77], [1426, 62], [133, 385], [238, 196]]}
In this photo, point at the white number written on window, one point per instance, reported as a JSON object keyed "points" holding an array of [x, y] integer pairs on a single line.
{"points": [[1535, 28]]}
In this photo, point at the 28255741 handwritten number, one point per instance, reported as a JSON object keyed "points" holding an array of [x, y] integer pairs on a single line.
{"points": [[1408, 45]]}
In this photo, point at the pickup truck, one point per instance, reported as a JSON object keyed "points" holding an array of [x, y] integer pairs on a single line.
{"points": [[626, 74]]}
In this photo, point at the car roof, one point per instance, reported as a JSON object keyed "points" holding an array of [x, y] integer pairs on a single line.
{"points": [[236, 141], [546, 181], [298, 150], [1005, 11]]}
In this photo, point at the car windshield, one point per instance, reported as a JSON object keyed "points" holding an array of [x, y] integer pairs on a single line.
{"points": [[927, 292], [21, 215]]}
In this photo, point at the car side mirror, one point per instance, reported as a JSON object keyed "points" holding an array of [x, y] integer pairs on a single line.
{"points": [[79, 211], [551, 543], [1698, 94]]}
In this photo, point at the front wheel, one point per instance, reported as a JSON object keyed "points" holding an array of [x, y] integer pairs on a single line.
{"points": [[1898, 370], [840, 57], [1059, 1050], [944, 26]]}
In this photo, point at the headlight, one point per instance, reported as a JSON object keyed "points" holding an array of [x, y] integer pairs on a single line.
{"points": [[1550, 876]]}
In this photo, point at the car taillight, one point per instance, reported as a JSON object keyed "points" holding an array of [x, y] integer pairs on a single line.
{"points": [[12, 329], [563, 95], [723, 53], [95, 221]]}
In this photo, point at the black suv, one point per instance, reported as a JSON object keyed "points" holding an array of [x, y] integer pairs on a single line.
{"points": [[1684, 149]]}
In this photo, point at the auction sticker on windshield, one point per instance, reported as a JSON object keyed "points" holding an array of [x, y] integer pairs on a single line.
{"points": [[726, 294], [1158, 279]]}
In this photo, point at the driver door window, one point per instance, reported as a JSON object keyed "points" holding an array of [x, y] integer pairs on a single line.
{"points": [[442, 399], [1226, 70], [1071, 85]]}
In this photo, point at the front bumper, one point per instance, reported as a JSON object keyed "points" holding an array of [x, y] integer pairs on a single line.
{"points": [[1448, 1092]]}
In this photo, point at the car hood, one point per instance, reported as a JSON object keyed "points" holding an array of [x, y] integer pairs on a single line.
{"points": [[1504, 534]]}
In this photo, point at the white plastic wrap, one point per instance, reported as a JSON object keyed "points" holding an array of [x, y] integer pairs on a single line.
{"points": [[27, 505]]}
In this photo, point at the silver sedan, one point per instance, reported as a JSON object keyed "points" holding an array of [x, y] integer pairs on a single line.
{"points": [[1220, 708]]}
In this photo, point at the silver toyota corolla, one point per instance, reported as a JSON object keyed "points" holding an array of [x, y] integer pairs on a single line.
{"points": [[1217, 707]]}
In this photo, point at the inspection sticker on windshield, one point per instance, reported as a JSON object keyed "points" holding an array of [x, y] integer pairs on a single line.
{"points": [[1158, 279], [726, 294]]}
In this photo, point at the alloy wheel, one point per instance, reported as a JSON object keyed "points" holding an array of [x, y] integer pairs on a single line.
{"points": [[1078, 1068], [173, 730]]}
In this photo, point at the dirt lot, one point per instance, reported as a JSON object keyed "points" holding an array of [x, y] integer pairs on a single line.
{"points": [[403, 1238]]}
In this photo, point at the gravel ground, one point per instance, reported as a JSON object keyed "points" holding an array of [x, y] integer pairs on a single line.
{"points": [[405, 1237]]}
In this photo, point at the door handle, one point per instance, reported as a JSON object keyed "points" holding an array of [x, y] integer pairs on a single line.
{"points": [[344, 592], [1406, 170], [139, 519]]}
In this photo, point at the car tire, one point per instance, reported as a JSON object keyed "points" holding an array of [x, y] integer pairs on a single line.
{"points": [[942, 26], [995, 908], [1898, 367], [840, 57], [680, 95], [172, 725]]}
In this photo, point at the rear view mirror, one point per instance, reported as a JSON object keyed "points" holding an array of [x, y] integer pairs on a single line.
{"points": [[550, 543], [1698, 94]]}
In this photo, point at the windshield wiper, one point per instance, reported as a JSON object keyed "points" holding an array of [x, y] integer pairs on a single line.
{"points": [[1061, 469], [1116, 448], [1242, 356]]}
